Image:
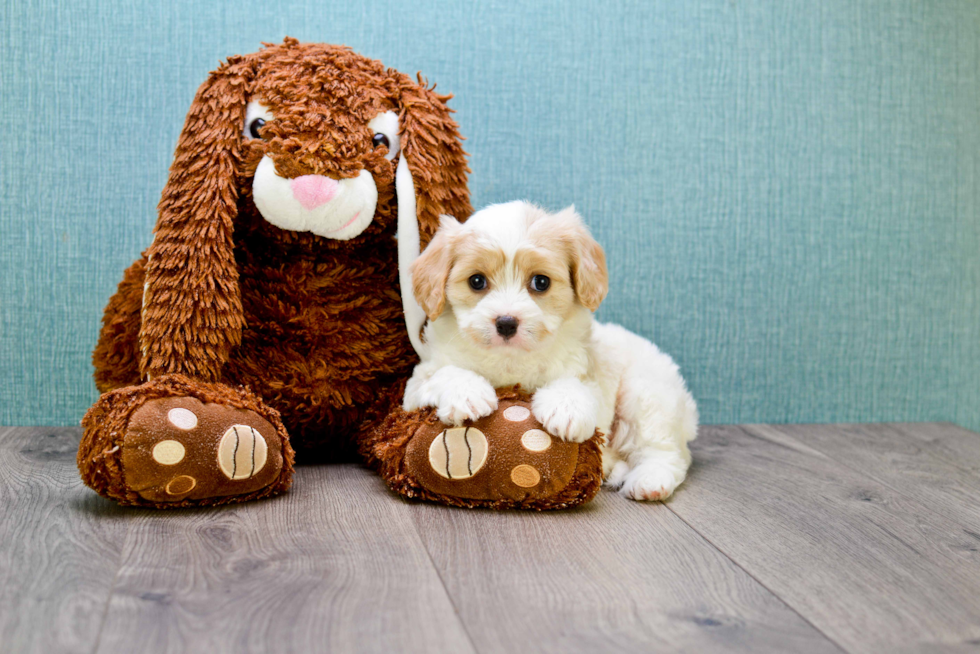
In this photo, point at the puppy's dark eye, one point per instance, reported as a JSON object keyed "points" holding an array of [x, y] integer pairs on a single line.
{"points": [[540, 283], [379, 140], [478, 282], [254, 127]]}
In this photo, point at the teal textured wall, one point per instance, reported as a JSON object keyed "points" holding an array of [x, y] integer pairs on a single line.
{"points": [[787, 190]]}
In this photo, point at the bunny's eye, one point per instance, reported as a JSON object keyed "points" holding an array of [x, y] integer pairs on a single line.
{"points": [[384, 127], [256, 116], [254, 127]]}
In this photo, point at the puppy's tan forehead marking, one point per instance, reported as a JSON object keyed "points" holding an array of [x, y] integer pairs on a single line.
{"points": [[511, 242], [531, 261], [475, 255]]}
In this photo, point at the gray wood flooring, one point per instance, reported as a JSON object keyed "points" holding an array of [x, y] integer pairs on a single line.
{"points": [[803, 538]]}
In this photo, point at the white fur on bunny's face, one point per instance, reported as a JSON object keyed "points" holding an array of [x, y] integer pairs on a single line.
{"points": [[343, 217]]}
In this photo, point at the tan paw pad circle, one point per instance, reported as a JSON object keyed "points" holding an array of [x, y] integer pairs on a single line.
{"points": [[458, 453], [168, 453], [242, 452], [525, 476], [181, 485], [517, 413], [182, 418], [536, 440]]}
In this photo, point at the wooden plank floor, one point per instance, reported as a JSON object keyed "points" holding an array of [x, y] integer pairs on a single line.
{"points": [[803, 538]]}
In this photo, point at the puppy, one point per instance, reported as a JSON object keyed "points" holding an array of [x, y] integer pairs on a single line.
{"points": [[509, 296]]}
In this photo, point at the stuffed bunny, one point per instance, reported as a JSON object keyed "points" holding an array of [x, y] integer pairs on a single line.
{"points": [[273, 268], [266, 314]]}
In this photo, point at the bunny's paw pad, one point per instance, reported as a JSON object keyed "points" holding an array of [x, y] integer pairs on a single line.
{"points": [[177, 442], [180, 448], [504, 460]]}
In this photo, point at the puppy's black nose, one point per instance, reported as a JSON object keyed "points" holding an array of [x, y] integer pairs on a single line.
{"points": [[506, 326]]}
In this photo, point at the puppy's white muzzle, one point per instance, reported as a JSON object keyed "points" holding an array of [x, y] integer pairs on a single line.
{"points": [[337, 209]]}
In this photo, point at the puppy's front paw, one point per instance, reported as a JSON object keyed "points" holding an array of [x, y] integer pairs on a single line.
{"points": [[468, 397], [652, 481], [565, 412]]}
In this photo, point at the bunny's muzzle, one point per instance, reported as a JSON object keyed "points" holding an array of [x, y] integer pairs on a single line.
{"points": [[338, 209]]}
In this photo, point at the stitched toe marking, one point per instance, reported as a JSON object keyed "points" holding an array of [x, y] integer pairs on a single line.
{"points": [[182, 418], [525, 476], [536, 440], [458, 453], [242, 452], [181, 485], [168, 453]]}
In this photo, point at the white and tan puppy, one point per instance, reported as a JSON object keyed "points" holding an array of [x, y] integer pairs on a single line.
{"points": [[509, 296]]}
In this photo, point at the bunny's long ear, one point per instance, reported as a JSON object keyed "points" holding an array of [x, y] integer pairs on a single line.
{"points": [[430, 181], [192, 309]]}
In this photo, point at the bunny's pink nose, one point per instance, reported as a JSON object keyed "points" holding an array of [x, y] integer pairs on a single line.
{"points": [[313, 190]]}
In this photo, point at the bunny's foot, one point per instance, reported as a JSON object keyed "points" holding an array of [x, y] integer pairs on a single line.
{"points": [[506, 460], [175, 442]]}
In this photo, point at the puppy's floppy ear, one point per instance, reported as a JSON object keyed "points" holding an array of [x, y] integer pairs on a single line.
{"points": [[430, 272], [589, 273], [192, 309]]}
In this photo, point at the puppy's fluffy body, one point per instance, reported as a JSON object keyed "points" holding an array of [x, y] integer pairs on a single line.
{"points": [[584, 374]]}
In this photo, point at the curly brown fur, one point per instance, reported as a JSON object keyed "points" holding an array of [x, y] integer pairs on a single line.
{"points": [[312, 325], [117, 355], [106, 423], [385, 448]]}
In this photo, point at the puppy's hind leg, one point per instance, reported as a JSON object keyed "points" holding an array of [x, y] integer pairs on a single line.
{"points": [[651, 473], [656, 417]]}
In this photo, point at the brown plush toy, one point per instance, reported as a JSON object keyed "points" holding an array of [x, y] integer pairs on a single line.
{"points": [[266, 314], [503, 461]]}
